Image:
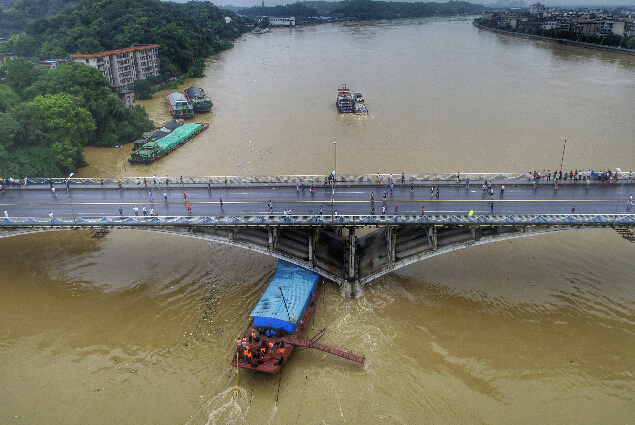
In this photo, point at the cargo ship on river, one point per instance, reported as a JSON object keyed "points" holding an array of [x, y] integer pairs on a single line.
{"points": [[279, 319], [344, 102], [179, 105], [199, 100], [153, 136], [153, 151]]}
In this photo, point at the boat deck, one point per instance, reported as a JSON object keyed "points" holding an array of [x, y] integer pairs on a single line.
{"points": [[282, 345]]}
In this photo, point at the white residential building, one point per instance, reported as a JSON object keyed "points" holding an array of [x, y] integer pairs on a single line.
{"points": [[122, 67]]}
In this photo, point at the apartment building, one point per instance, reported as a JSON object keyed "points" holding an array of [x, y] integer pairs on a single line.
{"points": [[122, 67]]}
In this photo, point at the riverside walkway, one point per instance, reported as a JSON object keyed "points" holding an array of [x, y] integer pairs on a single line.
{"points": [[320, 229]]}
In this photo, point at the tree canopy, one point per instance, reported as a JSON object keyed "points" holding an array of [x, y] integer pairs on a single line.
{"points": [[45, 126], [184, 32]]}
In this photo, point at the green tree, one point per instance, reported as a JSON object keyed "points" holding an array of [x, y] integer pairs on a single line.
{"points": [[18, 74], [59, 124], [93, 93], [142, 89], [8, 98], [8, 129]]}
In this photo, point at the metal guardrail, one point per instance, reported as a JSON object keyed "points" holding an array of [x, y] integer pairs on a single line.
{"points": [[316, 179], [594, 220]]}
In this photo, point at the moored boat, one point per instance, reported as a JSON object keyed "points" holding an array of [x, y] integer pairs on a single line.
{"points": [[279, 319], [360, 108], [179, 106], [153, 136], [199, 100], [155, 150], [344, 100]]}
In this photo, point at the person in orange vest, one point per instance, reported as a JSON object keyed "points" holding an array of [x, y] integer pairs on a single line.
{"points": [[270, 347], [239, 345], [263, 350], [248, 355]]}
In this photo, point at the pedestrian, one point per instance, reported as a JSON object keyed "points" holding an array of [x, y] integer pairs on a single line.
{"points": [[145, 182], [471, 213], [437, 191], [391, 189], [423, 210], [390, 179], [630, 202], [270, 206], [102, 182], [145, 213], [372, 211], [502, 190], [136, 210], [53, 191], [150, 195], [573, 210], [297, 187], [403, 178], [120, 187], [189, 207], [181, 180], [6, 214], [138, 181], [396, 208], [165, 196], [458, 177], [209, 187], [412, 188], [221, 203], [383, 210], [50, 214], [467, 183], [302, 185], [151, 212], [120, 211], [385, 194], [51, 181], [155, 179], [321, 209], [372, 197], [167, 181], [432, 191], [185, 196], [491, 208], [378, 178]]}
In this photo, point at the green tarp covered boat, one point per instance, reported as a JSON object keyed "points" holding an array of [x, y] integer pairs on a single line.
{"points": [[155, 150]]}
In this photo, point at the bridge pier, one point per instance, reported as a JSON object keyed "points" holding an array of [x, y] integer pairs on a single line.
{"points": [[351, 289]]}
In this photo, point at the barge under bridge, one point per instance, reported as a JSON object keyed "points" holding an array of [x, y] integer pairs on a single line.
{"points": [[350, 250]]}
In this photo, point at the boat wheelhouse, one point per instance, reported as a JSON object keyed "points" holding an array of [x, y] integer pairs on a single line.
{"points": [[199, 100], [179, 105]]}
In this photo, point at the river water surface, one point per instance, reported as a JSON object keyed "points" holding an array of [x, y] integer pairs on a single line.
{"points": [[139, 328]]}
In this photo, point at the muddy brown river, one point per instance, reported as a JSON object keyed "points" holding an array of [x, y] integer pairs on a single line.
{"points": [[139, 328]]}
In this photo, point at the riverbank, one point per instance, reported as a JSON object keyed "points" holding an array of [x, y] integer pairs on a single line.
{"points": [[560, 41]]}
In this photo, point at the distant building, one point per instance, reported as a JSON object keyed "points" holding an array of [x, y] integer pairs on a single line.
{"points": [[122, 67], [282, 22], [6, 56]]}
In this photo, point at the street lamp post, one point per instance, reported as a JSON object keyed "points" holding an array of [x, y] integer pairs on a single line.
{"points": [[333, 186], [68, 181]]}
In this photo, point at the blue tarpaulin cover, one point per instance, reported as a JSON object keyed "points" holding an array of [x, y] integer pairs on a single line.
{"points": [[297, 286]]}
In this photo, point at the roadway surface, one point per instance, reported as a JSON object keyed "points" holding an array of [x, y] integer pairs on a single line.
{"points": [[349, 199]]}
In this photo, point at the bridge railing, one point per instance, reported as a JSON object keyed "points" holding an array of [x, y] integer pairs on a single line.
{"points": [[316, 179], [324, 220]]}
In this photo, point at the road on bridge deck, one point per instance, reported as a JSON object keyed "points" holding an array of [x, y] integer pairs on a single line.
{"points": [[349, 199]]}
